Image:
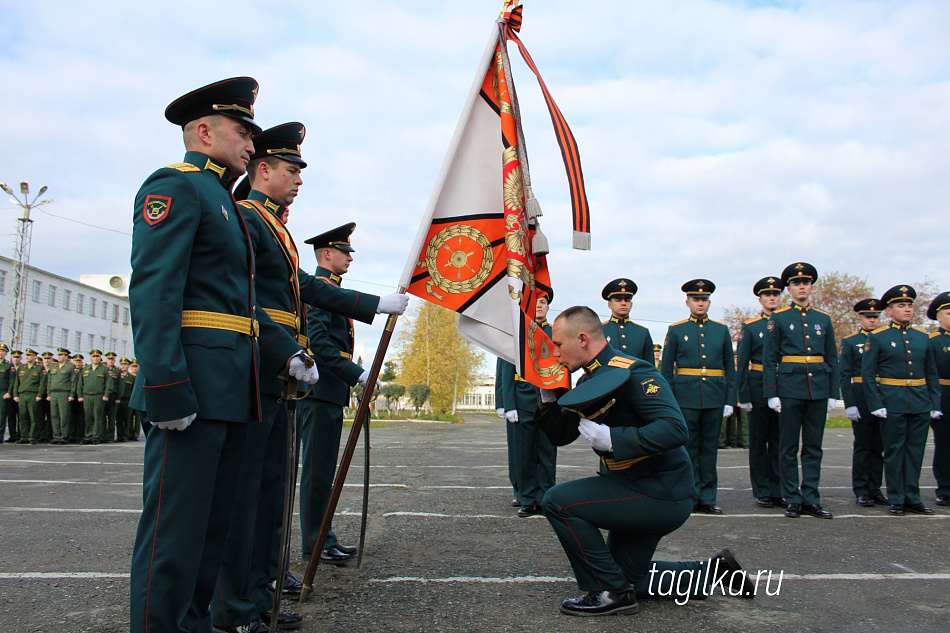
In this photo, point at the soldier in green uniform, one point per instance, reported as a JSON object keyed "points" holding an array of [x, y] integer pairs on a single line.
{"points": [[763, 422], [250, 556], [939, 310], [30, 383], [6, 368], [46, 416], [511, 439], [13, 410], [700, 366], [800, 380], [111, 420], [644, 489], [95, 388], [537, 457], [202, 340], [135, 416], [77, 411], [623, 334], [60, 378], [902, 389], [867, 456], [123, 413]]}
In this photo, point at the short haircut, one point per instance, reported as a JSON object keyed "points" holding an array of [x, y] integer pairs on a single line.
{"points": [[581, 319], [272, 162]]}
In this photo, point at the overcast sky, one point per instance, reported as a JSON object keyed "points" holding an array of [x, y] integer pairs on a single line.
{"points": [[719, 139]]}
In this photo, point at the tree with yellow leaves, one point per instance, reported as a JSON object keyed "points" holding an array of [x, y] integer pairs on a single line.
{"points": [[430, 351]]}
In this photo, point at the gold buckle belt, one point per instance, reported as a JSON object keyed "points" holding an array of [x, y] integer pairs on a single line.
{"points": [[857, 380], [803, 359], [220, 321], [519, 378], [903, 382], [284, 318], [945, 382], [346, 355], [303, 340], [687, 371], [610, 464], [756, 367]]}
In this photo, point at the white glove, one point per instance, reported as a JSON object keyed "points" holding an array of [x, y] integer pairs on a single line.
{"points": [[880, 413], [392, 304], [745, 406], [365, 376], [936, 414], [596, 434], [511, 416], [852, 413], [303, 370], [176, 425], [832, 403], [775, 404], [500, 412], [548, 395], [727, 411]]}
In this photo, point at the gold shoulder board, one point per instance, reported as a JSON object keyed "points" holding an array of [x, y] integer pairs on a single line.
{"points": [[753, 320], [680, 322], [782, 309], [620, 361], [183, 167], [606, 322], [934, 334], [883, 328]]}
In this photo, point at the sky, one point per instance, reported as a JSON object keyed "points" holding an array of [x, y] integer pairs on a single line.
{"points": [[719, 139]]}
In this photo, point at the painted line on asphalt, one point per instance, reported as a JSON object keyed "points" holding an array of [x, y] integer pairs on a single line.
{"points": [[71, 510], [553, 579], [122, 483], [61, 462]]}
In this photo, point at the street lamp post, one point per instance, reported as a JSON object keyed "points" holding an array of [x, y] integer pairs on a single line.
{"points": [[21, 258]]}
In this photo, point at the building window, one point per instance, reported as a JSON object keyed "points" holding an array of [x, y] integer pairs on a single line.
{"points": [[52, 295], [67, 298], [3, 282], [37, 287], [105, 308], [92, 306], [34, 333], [1, 327], [102, 343], [64, 338], [125, 316], [115, 313], [79, 300], [50, 333], [78, 343], [92, 343], [125, 348]]}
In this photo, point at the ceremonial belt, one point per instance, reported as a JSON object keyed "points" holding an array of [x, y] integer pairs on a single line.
{"points": [[519, 378], [903, 382], [857, 380], [687, 371], [803, 359], [610, 464], [756, 367], [220, 321], [945, 382], [346, 355], [289, 319]]}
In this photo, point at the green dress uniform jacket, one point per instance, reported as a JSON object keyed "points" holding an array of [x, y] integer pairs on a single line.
{"points": [[694, 346], [800, 355], [60, 386], [628, 337], [940, 347], [867, 461], [749, 360], [6, 370], [29, 384], [95, 382]]}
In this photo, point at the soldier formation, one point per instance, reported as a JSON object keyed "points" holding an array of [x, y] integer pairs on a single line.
{"points": [[62, 400]]}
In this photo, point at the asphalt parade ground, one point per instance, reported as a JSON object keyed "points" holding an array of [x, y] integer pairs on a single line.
{"points": [[445, 551]]}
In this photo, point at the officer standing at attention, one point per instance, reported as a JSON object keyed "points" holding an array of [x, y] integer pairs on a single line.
{"points": [[511, 438], [123, 413], [644, 489], [623, 334], [320, 415], [77, 411], [763, 422], [939, 310], [867, 458], [902, 389], [800, 379], [60, 379], [537, 457], [111, 420], [95, 388], [13, 411], [46, 416], [30, 382], [699, 364], [135, 420], [201, 339], [6, 399]]}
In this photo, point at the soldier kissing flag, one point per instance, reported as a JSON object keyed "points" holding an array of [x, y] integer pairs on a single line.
{"points": [[479, 250]]}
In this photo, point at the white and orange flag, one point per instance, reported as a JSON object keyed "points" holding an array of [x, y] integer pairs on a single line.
{"points": [[473, 253]]}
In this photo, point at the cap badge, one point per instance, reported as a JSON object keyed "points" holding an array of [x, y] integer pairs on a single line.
{"points": [[799, 266]]}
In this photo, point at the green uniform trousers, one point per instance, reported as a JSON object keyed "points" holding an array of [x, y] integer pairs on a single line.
{"points": [[905, 439], [941, 462], [122, 419], [189, 483], [95, 409], [763, 451], [320, 426], [30, 415], [514, 459], [7, 406], [867, 455], [703, 448], [801, 420], [59, 411], [735, 429], [537, 460], [77, 421], [579, 509], [109, 422]]}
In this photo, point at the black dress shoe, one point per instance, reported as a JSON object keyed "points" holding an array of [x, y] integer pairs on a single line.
{"points": [[334, 556], [346, 549], [865, 501], [707, 508], [291, 588], [515, 503], [780, 502], [918, 508], [593, 603], [943, 500], [764, 502], [285, 620], [793, 511], [880, 500], [739, 584], [253, 627], [529, 511], [896, 510], [815, 510]]}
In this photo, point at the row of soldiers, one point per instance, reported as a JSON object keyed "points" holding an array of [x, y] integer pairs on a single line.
{"points": [[63, 400]]}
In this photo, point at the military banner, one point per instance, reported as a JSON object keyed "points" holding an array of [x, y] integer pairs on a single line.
{"points": [[473, 253]]}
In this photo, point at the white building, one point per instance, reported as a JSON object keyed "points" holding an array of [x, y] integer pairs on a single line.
{"points": [[481, 397], [62, 312]]}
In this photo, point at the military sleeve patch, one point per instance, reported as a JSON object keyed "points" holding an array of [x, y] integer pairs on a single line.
{"points": [[651, 387], [620, 361], [741, 334], [156, 208], [771, 325]]}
